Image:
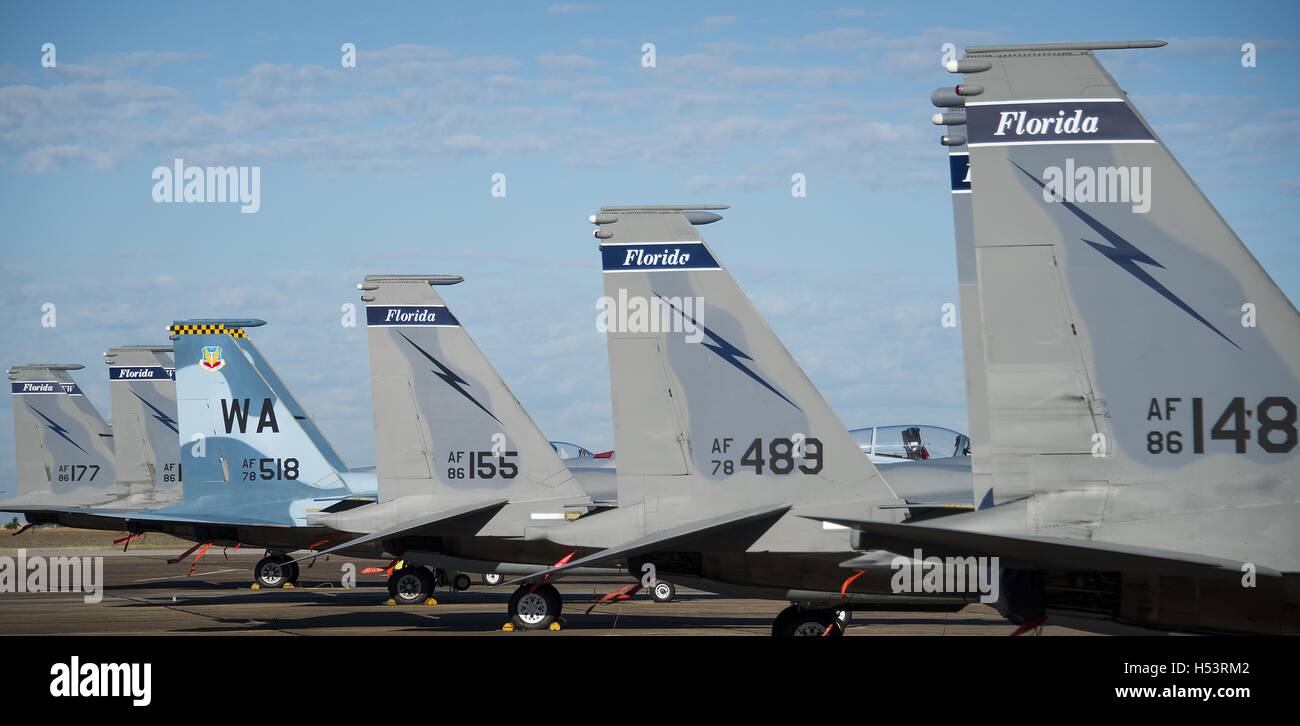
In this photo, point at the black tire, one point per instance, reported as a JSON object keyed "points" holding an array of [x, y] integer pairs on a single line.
{"points": [[492, 579], [778, 624], [663, 591], [269, 572], [460, 582], [535, 609], [411, 585], [815, 623], [294, 572]]}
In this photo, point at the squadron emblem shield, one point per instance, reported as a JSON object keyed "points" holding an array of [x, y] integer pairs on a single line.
{"points": [[210, 358]]}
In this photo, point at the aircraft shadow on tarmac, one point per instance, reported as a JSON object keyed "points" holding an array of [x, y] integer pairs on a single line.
{"points": [[433, 621], [372, 614]]}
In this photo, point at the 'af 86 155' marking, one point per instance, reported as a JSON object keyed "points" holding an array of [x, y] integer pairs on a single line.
{"points": [[482, 465], [1274, 434]]}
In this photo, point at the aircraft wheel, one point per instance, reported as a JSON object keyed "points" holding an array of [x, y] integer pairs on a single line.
{"points": [[814, 623], [460, 582], [492, 579], [411, 585], [270, 572], [535, 610], [663, 591], [294, 572]]}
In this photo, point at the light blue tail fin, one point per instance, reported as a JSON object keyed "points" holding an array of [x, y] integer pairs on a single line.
{"points": [[240, 428]]}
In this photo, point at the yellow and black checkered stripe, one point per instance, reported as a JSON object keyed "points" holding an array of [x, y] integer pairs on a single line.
{"points": [[208, 329]]}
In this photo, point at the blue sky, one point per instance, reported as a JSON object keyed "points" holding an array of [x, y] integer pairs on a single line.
{"points": [[387, 167]]}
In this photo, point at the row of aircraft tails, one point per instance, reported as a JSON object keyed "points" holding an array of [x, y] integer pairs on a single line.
{"points": [[1131, 464]]}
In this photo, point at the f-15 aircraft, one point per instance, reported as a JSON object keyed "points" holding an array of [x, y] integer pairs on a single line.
{"points": [[907, 442], [63, 447], [1135, 433], [724, 445], [254, 464], [62, 442], [142, 386], [463, 469]]}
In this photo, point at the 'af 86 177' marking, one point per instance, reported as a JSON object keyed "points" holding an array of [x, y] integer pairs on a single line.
{"points": [[78, 472], [1275, 433]]}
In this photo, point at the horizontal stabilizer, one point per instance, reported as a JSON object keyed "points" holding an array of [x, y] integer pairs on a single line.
{"points": [[423, 525], [667, 539], [1039, 550], [104, 518]]}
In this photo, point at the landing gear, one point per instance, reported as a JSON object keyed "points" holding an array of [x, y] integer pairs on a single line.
{"points": [[411, 585], [796, 620], [460, 582], [492, 579], [274, 571], [535, 609], [663, 591]]}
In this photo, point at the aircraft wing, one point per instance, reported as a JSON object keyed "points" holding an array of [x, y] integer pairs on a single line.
{"points": [[1036, 549], [106, 518], [415, 526], [665, 539]]}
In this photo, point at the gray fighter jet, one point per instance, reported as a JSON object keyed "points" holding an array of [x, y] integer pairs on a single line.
{"points": [[725, 448], [463, 469], [67, 457], [1135, 453], [63, 447]]}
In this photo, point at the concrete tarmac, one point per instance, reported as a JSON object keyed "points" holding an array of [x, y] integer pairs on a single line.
{"points": [[143, 595]]}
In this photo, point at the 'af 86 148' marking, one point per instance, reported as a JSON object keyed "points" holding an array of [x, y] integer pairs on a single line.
{"points": [[1275, 433]]}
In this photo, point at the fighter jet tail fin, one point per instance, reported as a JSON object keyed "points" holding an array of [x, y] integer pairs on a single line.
{"points": [[240, 428], [64, 448], [1127, 333], [709, 406], [445, 421], [142, 382]]}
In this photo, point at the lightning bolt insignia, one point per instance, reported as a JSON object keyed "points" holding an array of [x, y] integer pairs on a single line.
{"points": [[1127, 256], [728, 352], [450, 378], [158, 415], [57, 428]]}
